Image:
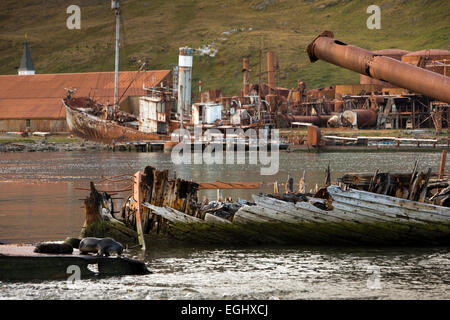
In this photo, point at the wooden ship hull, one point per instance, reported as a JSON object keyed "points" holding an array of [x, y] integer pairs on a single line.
{"points": [[93, 128], [168, 213]]}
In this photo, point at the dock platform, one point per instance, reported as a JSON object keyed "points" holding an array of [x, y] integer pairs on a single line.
{"points": [[20, 263]]}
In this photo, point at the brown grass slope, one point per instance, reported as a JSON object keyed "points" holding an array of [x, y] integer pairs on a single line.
{"points": [[153, 30]]}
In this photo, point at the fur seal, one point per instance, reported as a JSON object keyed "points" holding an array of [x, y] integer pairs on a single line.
{"points": [[52, 247], [101, 246], [74, 242]]}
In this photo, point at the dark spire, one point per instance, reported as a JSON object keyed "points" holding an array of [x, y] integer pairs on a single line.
{"points": [[26, 64]]}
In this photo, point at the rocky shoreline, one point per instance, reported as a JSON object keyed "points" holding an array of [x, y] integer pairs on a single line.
{"points": [[52, 147]]}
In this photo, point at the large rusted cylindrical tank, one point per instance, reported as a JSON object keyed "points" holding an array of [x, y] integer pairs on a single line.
{"points": [[396, 54], [398, 73], [363, 118]]}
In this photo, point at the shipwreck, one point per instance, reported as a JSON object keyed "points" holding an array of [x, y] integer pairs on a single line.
{"points": [[380, 208]]}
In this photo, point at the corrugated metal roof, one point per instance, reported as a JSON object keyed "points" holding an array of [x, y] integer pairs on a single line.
{"points": [[39, 96]]}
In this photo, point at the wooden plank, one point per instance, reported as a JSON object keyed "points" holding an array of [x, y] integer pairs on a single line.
{"points": [[243, 216], [395, 207], [212, 219], [326, 223], [228, 185], [340, 138], [442, 166], [172, 215], [394, 139], [403, 204]]}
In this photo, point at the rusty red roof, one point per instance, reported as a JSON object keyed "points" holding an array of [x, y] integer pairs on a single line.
{"points": [[39, 96]]}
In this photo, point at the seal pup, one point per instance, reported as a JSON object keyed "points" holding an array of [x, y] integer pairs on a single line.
{"points": [[101, 246]]}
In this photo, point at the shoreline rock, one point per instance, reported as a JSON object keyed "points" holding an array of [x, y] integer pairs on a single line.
{"points": [[53, 147]]}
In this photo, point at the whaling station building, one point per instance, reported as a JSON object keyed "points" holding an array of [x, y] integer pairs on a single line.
{"points": [[33, 102]]}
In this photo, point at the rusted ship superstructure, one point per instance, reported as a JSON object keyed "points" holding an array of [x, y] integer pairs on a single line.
{"points": [[88, 119]]}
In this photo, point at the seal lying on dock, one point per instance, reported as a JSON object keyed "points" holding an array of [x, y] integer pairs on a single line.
{"points": [[53, 248], [101, 246]]}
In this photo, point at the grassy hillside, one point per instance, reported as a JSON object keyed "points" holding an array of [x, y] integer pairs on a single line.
{"points": [[153, 30]]}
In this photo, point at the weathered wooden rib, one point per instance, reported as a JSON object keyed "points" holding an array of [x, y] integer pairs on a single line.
{"points": [[172, 215], [210, 218], [391, 206], [244, 215]]}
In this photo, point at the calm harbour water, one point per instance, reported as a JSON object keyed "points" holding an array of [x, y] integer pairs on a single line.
{"points": [[39, 200]]}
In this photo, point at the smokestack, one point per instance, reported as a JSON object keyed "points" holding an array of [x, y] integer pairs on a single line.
{"points": [[184, 80], [246, 70], [271, 70], [365, 62]]}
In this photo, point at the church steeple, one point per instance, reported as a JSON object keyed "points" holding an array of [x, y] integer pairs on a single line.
{"points": [[26, 64]]}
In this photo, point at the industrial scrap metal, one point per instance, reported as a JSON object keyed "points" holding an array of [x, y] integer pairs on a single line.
{"points": [[404, 75]]}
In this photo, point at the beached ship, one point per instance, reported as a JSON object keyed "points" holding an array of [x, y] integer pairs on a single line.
{"points": [[338, 214], [106, 123], [89, 120]]}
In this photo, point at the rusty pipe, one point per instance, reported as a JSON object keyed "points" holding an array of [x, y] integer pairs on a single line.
{"points": [[285, 121], [271, 70], [245, 70], [365, 62]]}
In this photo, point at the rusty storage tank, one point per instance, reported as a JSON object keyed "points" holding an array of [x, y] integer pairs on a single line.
{"points": [[362, 118], [396, 54]]}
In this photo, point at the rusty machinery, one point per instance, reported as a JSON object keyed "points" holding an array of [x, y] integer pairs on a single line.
{"points": [[404, 75]]}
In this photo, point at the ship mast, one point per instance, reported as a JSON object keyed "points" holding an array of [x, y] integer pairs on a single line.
{"points": [[116, 7]]}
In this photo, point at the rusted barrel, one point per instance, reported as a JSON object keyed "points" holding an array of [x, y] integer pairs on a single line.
{"points": [[362, 118]]}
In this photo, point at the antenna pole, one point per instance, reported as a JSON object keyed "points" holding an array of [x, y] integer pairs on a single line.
{"points": [[116, 7]]}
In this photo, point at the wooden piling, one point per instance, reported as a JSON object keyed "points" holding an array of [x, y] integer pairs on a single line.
{"points": [[442, 166], [137, 195]]}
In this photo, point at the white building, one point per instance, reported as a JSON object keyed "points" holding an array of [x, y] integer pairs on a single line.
{"points": [[206, 113], [154, 113]]}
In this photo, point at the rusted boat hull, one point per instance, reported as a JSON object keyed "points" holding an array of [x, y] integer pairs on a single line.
{"points": [[93, 128]]}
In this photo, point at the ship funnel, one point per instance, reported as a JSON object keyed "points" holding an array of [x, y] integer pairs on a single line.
{"points": [[184, 80]]}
